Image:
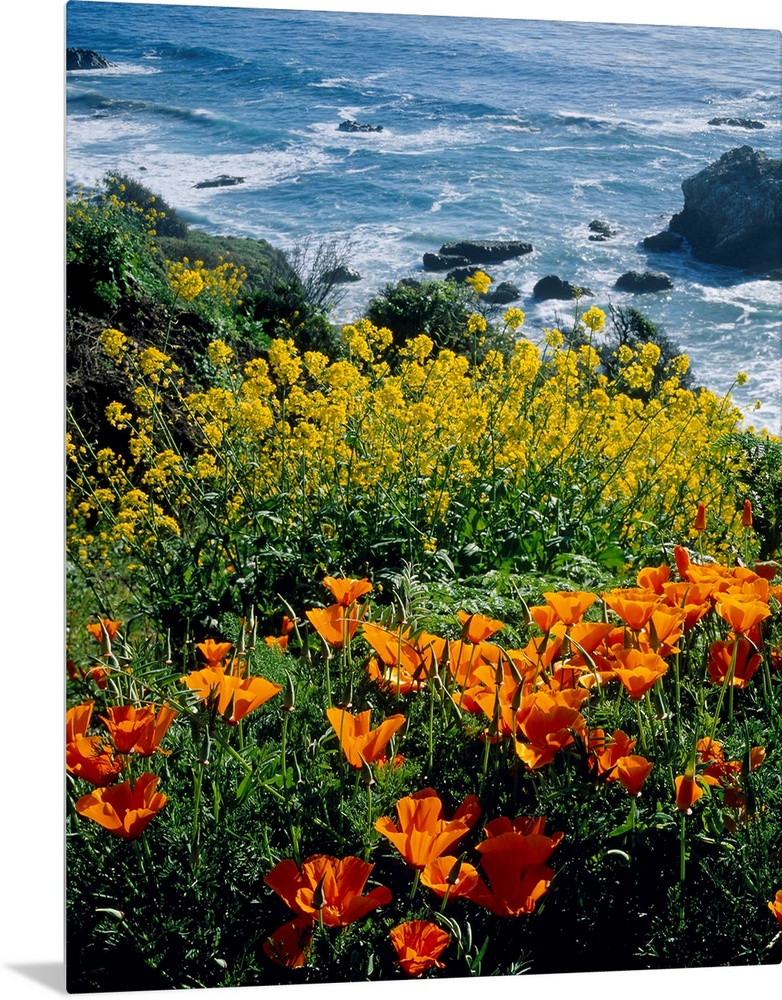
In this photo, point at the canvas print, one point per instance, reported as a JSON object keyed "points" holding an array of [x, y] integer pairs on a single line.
{"points": [[424, 497]]}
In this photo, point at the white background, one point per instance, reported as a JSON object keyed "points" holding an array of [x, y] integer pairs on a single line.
{"points": [[31, 492]]}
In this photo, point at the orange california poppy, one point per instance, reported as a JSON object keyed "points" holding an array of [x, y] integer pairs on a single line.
{"points": [[149, 741], [570, 605], [394, 648], [638, 671], [767, 570], [446, 875], [345, 591], [214, 652], [544, 616], [122, 810], [741, 615], [688, 791], [634, 605], [776, 907], [514, 864], [328, 889], [95, 629], [423, 834], [90, 758], [333, 624], [394, 680], [289, 944], [477, 628], [692, 599], [358, 740], [631, 772], [547, 720], [739, 651], [666, 626], [682, 559], [606, 752], [419, 944], [77, 720], [127, 725], [699, 523], [746, 514], [234, 697], [653, 578]]}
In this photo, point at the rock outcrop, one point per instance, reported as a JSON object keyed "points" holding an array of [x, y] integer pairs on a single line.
{"points": [[224, 180], [503, 293], [737, 122], [486, 251], [342, 275], [733, 211], [664, 242], [441, 262], [350, 126], [643, 281], [601, 231], [84, 59], [554, 287]]}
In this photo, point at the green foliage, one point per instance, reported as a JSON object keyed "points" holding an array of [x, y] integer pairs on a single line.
{"points": [[284, 310]]}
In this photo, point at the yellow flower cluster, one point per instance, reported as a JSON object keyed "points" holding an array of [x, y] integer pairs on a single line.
{"points": [[220, 284], [417, 442]]}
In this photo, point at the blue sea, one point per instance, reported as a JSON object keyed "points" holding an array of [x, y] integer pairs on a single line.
{"points": [[503, 129]]}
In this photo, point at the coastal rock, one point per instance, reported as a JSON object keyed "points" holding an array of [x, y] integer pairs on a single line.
{"points": [[553, 287], [84, 59], [441, 262], [737, 122], [461, 274], [504, 293], [601, 231], [486, 251], [224, 180], [663, 242], [341, 276], [643, 281], [350, 126], [733, 211]]}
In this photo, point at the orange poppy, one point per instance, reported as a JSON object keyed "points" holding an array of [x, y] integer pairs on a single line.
{"points": [[77, 720], [289, 944], [741, 615], [423, 834], [514, 864], [699, 523], [478, 628], [234, 697], [682, 559], [667, 626], [688, 791], [123, 810], [419, 944], [776, 907], [127, 724], [358, 740], [767, 570], [606, 752], [214, 652], [692, 599], [96, 628], [328, 889], [446, 876], [631, 772], [639, 672], [547, 720], [653, 578], [333, 624], [90, 758], [745, 664], [634, 605], [570, 605], [394, 648], [746, 515], [345, 591], [544, 616]]}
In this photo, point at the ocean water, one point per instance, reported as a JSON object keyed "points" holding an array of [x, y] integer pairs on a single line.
{"points": [[504, 129]]}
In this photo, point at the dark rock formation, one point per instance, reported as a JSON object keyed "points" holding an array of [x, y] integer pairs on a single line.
{"points": [[643, 281], [84, 59], [461, 274], [601, 231], [224, 180], [350, 126], [733, 211], [486, 251], [737, 122], [553, 287], [663, 242], [504, 293], [341, 275], [441, 262]]}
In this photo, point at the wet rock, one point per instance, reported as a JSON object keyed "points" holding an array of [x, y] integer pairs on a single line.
{"points": [[486, 251], [224, 180], [85, 59], [554, 287], [601, 231], [663, 242], [341, 276], [441, 262], [504, 293], [737, 122], [351, 126], [643, 281]]}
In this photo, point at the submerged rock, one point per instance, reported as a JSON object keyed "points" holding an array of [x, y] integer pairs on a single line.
{"points": [[350, 126], [224, 180], [643, 281], [737, 122], [486, 251], [601, 231], [554, 287], [84, 59], [733, 211]]}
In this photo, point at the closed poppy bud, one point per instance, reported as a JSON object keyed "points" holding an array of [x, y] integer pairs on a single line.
{"points": [[289, 695], [687, 792], [700, 518], [746, 517], [319, 896]]}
